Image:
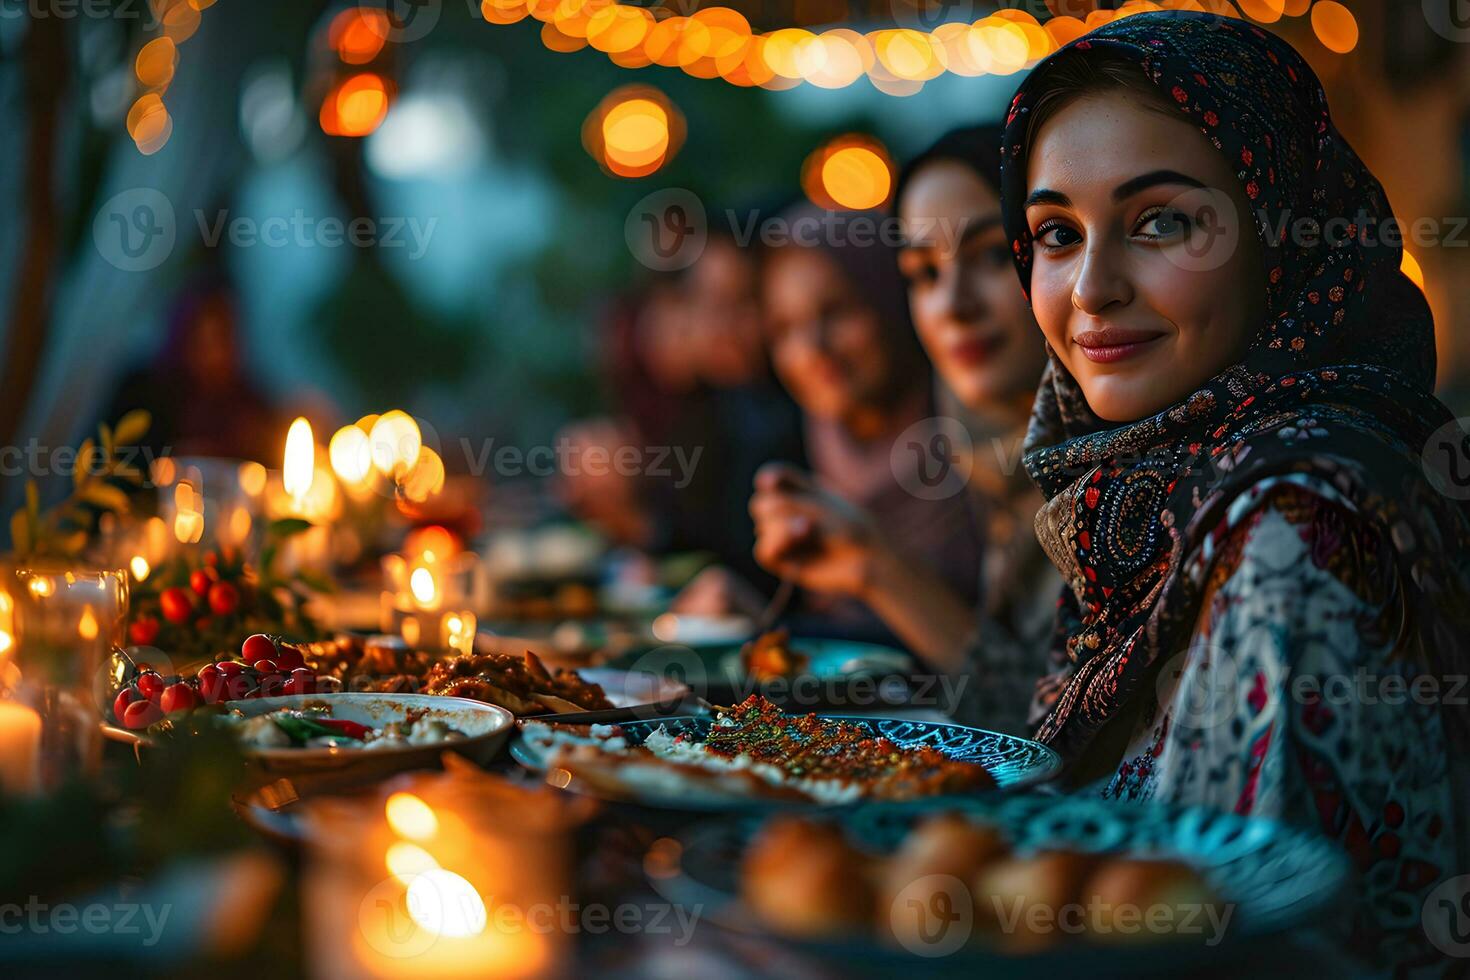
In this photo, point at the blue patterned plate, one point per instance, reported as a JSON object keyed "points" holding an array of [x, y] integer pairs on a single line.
{"points": [[1277, 880], [714, 670], [1013, 761]]}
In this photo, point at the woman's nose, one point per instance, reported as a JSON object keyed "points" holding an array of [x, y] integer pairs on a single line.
{"points": [[959, 300], [1101, 280]]}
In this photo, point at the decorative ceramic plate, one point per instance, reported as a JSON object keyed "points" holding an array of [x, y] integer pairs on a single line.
{"points": [[1012, 761], [1277, 880], [841, 675]]}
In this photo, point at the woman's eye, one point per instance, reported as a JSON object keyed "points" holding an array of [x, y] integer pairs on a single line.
{"points": [[1164, 224], [1057, 236], [920, 274]]}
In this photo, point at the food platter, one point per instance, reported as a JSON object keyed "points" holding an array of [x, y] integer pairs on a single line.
{"points": [[1010, 761], [1269, 882], [481, 732]]}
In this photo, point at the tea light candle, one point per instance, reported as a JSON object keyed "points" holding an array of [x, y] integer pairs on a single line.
{"points": [[20, 749], [457, 632]]}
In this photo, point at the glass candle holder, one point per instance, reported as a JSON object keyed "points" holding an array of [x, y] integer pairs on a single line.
{"points": [[207, 502], [438, 882], [431, 601], [58, 624]]}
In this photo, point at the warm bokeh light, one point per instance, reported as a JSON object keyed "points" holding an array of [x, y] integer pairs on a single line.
{"points": [[851, 172], [718, 42], [149, 123], [140, 568], [446, 904], [1265, 11], [857, 178], [410, 817], [633, 132], [350, 452], [156, 62], [87, 626], [253, 478], [180, 21], [405, 860], [356, 107], [1335, 26], [358, 34], [395, 443], [425, 479], [188, 513], [298, 466], [618, 28], [421, 583]]}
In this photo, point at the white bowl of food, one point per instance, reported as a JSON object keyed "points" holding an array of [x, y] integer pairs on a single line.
{"points": [[370, 733]]}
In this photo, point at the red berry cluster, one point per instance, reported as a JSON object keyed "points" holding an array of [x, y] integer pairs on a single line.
{"points": [[210, 593], [267, 668]]}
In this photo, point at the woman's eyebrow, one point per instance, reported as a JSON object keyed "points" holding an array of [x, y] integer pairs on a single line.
{"points": [[1043, 196], [1128, 188]]}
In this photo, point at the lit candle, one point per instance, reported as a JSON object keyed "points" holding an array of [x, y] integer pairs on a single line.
{"points": [[458, 632], [20, 749], [298, 469]]}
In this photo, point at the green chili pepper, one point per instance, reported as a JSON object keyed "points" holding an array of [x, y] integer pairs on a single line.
{"points": [[303, 730]]}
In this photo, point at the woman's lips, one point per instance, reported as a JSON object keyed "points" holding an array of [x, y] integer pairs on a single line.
{"points": [[1112, 344], [974, 351]]}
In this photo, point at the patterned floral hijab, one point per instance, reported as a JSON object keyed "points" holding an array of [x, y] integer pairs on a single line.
{"points": [[1348, 344]]}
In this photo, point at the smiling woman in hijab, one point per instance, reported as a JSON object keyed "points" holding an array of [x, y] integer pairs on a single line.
{"points": [[1230, 438]]}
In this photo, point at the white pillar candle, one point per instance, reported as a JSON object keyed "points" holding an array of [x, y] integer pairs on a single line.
{"points": [[20, 749]]}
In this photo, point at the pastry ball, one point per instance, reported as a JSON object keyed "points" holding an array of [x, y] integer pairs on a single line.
{"points": [[1139, 900], [944, 844], [1026, 904], [803, 879]]}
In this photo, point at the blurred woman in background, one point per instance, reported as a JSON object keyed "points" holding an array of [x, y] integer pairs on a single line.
{"points": [[978, 331], [841, 341], [693, 384]]}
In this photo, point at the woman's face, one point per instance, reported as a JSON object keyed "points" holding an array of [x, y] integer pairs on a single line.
{"points": [[1147, 276], [826, 343], [967, 305]]}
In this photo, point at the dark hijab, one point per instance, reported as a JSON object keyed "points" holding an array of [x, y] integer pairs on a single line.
{"points": [[1348, 340]]}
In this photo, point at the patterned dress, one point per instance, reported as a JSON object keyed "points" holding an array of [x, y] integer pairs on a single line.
{"points": [[1290, 703]]}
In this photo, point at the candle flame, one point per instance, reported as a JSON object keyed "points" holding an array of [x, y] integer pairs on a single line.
{"points": [[298, 468], [410, 816], [188, 518], [87, 626], [140, 567], [406, 860], [446, 904], [421, 583]]}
